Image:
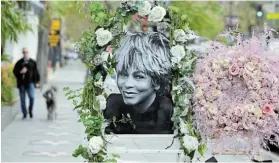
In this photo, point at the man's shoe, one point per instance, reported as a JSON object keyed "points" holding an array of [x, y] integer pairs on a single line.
{"points": [[31, 115], [24, 117]]}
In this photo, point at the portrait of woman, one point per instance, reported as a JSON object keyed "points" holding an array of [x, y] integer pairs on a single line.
{"points": [[144, 105]]}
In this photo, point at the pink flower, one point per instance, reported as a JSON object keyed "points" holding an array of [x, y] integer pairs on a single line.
{"points": [[222, 120], [135, 17], [267, 109], [144, 21], [237, 111], [109, 49], [234, 69], [261, 123], [255, 59], [235, 126]]}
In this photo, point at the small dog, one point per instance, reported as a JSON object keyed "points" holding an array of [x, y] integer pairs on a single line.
{"points": [[51, 102]]}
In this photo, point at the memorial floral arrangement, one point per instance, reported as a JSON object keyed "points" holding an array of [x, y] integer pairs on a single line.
{"points": [[96, 48], [237, 92]]}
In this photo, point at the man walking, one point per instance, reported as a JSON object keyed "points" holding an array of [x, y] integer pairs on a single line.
{"points": [[28, 78]]}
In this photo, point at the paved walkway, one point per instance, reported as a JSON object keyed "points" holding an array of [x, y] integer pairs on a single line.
{"points": [[37, 139]]}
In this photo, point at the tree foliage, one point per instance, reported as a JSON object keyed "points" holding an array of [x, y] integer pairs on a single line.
{"points": [[75, 17], [13, 21], [204, 17]]}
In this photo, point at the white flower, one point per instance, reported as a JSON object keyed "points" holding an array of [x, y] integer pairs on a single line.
{"points": [[216, 65], [225, 63], [179, 35], [190, 143], [96, 144], [256, 85], [183, 127], [178, 53], [103, 36], [249, 66], [144, 9], [99, 83], [157, 14], [199, 93], [110, 85], [104, 125], [98, 60], [102, 101], [105, 55], [190, 34], [250, 108], [242, 59]]}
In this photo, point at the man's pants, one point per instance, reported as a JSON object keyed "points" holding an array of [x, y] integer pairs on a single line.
{"points": [[31, 93]]}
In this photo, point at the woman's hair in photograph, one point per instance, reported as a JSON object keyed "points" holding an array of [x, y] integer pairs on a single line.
{"points": [[148, 52]]}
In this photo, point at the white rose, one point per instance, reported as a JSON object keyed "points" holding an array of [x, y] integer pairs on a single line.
{"points": [[178, 53], [198, 93], [190, 143], [183, 129], [216, 65], [190, 34], [249, 66], [96, 144], [256, 85], [157, 14], [103, 36], [213, 109], [225, 63], [250, 108], [242, 59], [179, 35], [102, 101], [144, 9], [105, 55]]}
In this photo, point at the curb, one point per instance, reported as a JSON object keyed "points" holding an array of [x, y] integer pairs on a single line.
{"points": [[8, 113]]}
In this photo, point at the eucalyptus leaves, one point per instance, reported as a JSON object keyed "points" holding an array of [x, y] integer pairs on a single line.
{"points": [[96, 47]]}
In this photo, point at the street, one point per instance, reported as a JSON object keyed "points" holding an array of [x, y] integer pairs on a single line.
{"points": [[40, 140]]}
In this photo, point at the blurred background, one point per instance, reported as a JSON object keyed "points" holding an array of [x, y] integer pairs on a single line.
{"points": [[49, 29]]}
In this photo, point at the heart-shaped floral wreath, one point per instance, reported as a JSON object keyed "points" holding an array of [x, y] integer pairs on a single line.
{"points": [[237, 93]]}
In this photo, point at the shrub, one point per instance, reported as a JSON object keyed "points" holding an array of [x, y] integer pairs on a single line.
{"points": [[8, 83]]}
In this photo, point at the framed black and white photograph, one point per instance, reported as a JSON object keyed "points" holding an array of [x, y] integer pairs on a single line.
{"points": [[144, 104]]}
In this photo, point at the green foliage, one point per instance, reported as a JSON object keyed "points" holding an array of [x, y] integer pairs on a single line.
{"points": [[81, 151], [85, 100], [8, 83], [13, 21], [203, 17]]}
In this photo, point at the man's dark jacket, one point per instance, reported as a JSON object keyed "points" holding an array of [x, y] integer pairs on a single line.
{"points": [[31, 76]]}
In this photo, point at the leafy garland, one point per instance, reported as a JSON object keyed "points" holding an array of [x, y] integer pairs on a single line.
{"points": [[97, 56]]}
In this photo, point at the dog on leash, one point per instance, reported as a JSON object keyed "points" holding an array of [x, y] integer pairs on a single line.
{"points": [[51, 102]]}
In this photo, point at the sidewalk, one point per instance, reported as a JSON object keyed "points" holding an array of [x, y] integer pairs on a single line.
{"points": [[39, 140]]}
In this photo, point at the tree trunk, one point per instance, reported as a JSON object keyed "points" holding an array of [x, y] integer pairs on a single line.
{"points": [[42, 56]]}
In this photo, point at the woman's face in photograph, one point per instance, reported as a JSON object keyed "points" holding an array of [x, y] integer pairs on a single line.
{"points": [[135, 86]]}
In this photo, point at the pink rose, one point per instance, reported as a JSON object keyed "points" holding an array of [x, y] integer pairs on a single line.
{"points": [[267, 109], [235, 126], [218, 132], [222, 120], [234, 61], [109, 49], [234, 69], [261, 123], [237, 111], [255, 59], [228, 123], [135, 17]]}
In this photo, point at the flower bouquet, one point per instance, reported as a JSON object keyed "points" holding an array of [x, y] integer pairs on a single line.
{"points": [[237, 94]]}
